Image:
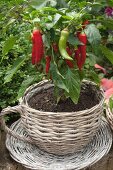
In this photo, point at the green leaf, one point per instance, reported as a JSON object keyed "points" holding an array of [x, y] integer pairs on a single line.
{"points": [[96, 7], [108, 23], [58, 79], [59, 82], [8, 45], [50, 9], [26, 83], [82, 74], [12, 20], [66, 17], [54, 64], [72, 82], [108, 53], [73, 40], [56, 18], [49, 25], [91, 59], [62, 4], [52, 2], [93, 35], [46, 40], [110, 2], [95, 77], [36, 20], [17, 2], [53, 10], [16, 65], [37, 4], [55, 72]]}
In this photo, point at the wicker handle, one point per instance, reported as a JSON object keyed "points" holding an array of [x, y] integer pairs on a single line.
{"points": [[8, 110]]}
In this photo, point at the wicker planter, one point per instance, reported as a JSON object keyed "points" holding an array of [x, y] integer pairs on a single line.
{"points": [[33, 158], [109, 116], [58, 133]]}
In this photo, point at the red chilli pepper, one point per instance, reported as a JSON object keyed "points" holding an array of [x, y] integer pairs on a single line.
{"points": [[48, 60], [82, 37], [82, 48], [78, 58], [37, 48], [85, 23], [68, 62], [55, 47]]}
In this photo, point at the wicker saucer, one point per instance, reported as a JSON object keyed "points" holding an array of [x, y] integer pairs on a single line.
{"points": [[31, 157]]}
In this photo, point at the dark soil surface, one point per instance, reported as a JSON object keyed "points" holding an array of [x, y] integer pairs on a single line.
{"points": [[46, 101]]}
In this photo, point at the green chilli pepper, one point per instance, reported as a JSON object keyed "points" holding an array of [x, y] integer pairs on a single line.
{"points": [[62, 44]]}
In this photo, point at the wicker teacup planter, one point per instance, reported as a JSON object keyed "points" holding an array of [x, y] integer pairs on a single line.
{"points": [[109, 116], [58, 132]]}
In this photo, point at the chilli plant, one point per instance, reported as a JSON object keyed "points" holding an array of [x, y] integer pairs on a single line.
{"points": [[67, 37], [64, 34]]}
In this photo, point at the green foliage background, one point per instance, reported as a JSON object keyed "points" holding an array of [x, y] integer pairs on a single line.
{"points": [[16, 71]]}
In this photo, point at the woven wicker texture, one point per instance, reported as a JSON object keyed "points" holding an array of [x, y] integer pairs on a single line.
{"points": [[31, 157], [64, 132], [109, 116], [58, 133]]}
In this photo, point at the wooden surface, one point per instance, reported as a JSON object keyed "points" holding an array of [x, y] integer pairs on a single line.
{"points": [[7, 163]]}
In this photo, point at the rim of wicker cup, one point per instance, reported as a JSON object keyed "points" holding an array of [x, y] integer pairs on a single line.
{"points": [[25, 104], [94, 117]]}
